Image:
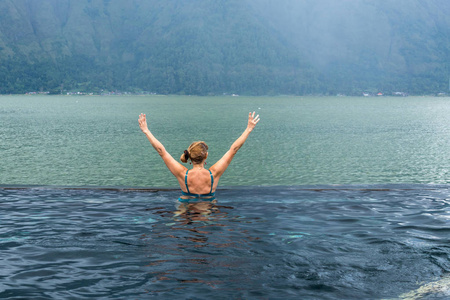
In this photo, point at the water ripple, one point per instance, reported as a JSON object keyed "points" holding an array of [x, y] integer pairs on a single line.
{"points": [[328, 242]]}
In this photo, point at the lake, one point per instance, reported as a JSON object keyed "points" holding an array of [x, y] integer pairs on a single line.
{"points": [[96, 141], [329, 198]]}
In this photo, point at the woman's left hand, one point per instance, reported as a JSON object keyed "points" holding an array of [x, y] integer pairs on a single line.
{"points": [[143, 123], [252, 121]]}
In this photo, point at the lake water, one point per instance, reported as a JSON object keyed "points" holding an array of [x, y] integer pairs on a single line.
{"points": [[330, 198], [96, 141]]}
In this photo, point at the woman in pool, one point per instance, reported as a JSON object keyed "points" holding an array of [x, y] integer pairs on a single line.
{"points": [[198, 184]]}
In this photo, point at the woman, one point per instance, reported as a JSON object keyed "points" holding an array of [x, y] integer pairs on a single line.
{"points": [[198, 184]]}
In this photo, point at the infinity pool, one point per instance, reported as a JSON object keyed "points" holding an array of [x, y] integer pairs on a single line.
{"points": [[305, 242]]}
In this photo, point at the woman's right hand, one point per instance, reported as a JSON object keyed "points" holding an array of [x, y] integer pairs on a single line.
{"points": [[252, 121], [143, 123]]}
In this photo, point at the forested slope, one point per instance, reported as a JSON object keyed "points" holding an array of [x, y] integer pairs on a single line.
{"points": [[217, 46]]}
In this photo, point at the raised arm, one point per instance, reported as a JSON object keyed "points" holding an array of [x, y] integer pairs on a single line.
{"points": [[219, 167], [175, 167]]}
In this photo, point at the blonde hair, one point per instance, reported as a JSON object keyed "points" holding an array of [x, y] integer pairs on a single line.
{"points": [[197, 152]]}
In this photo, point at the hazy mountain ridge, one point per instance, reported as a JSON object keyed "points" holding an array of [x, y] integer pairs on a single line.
{"points": [[212, 47], [386, 40]]}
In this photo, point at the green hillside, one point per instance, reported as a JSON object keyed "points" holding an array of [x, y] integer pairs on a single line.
{"points": [[262, 47]]}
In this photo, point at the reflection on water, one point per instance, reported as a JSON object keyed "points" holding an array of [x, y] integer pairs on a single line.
{"points": [[188, 213], [431, 289], [321, 242], [199, 242]]}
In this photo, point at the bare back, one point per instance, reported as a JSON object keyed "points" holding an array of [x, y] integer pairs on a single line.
{"points": [[199, 181]]}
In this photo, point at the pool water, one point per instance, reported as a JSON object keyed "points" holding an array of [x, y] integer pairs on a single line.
{"points": [[298, 242]]}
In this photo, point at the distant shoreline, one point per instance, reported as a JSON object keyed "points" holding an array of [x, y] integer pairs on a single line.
{"points": [[438, 95]]}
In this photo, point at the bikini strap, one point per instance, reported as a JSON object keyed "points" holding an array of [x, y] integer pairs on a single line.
{"points": [[212, 181], [185, 181]]}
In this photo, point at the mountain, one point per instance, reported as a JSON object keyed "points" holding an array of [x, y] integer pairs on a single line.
{"points": [[262, 47]]}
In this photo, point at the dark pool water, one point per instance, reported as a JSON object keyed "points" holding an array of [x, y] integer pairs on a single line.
{"points": [[316, 242]]}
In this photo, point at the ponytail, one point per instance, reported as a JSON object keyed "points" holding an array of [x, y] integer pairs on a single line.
{"points": [[185, 156]]}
